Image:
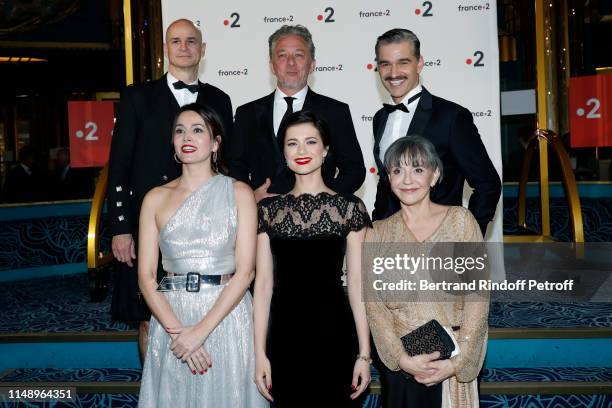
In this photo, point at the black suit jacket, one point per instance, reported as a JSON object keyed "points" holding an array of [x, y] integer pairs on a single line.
{"points": [[451, 129], [141, 155], [255, 154]]}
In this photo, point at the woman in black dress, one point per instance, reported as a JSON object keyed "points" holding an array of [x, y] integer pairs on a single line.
{"points": [[310, 339]]}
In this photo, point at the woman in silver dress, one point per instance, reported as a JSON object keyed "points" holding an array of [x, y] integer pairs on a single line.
{"points": [[200, 349]]}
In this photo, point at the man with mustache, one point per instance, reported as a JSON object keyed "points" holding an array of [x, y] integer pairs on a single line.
{"points": [[447, 125], [255, 156], [141, 157]]}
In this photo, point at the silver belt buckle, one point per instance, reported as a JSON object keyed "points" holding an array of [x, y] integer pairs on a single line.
{"points": [[192, 282]]}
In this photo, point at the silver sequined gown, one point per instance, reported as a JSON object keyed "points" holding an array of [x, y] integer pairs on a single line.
{"points": [[200, 237]]}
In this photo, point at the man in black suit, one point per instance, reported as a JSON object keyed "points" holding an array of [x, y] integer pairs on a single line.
{"points": [[142, 157], [447, 125], [255, 156]]}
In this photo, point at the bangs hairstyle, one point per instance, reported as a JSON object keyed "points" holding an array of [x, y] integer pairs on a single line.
{"points": [[413, 150], [213, 124], [300, 117]]}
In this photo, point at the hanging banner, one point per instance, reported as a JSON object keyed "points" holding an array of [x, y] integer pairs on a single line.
{"points": [[90, 125], [461, 64], [590, 111]]}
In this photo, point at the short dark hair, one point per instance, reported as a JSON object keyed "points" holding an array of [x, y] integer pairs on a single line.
{"points": [[213, 124], [398, 35], [301, 117], [286, 30], [414, 150]]}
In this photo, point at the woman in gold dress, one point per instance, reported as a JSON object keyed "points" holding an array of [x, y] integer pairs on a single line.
{"points": [[414, 168]]}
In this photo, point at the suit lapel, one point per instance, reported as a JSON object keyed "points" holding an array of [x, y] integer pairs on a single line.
{"points": [[165, 99], [264, 112], [310, 100], [163, 108], [380, 129], [201, 93], [164, 102], [421, 115]]}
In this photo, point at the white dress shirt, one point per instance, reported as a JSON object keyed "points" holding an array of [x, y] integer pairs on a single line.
{"points": [[280, 105], [398, 122], [183, 96]]}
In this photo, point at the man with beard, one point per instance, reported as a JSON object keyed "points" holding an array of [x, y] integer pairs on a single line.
{"points": [[255, 156]]}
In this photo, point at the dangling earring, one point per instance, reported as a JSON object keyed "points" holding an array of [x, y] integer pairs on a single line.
{"points": [[176, 159], [215, 166]]}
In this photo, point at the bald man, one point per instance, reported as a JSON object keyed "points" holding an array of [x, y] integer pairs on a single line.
{"points": [[141, 156]]}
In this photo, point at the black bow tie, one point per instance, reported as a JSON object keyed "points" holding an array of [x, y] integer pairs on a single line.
{"points": [[400, 106], [181, 85], [392, 108]]}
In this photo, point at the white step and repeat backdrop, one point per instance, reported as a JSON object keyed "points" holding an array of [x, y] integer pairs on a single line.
{"points": [[458, 43]]}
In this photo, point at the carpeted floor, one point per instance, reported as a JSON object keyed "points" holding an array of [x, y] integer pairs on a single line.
{"points": [[61, 304]]}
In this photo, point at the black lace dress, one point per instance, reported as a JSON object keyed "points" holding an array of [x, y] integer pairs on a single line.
{"points": [[312, 343]]}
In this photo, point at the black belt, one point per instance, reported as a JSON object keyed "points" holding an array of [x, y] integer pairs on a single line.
{"points": [[192, 281]]}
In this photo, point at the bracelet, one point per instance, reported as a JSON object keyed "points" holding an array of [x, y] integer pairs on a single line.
{"points": [[367, 359]]}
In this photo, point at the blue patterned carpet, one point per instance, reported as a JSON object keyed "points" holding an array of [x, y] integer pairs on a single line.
{"points": [[594, 374], [66, 375], [62, 305], [85, 401], [596, 215], [546, 401], [46, 241], [54, 305], [554, 314], [373, 401], [488, 401]]}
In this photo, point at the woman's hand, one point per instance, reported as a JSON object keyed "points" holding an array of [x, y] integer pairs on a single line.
{"points": [[443, 369], [199, 362], [361, 377], [185, 341], [263, 376], [421, 365]]}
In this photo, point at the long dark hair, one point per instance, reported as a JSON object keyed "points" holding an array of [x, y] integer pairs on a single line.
{"points": [[214, 126]]}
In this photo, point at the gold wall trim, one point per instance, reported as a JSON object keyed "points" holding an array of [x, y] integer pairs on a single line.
{"points": [[127, 38], [542, 105], [94, 257]]}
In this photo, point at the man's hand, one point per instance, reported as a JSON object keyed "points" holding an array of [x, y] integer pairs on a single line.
{"points": [[261, 192], [124, 249]]}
